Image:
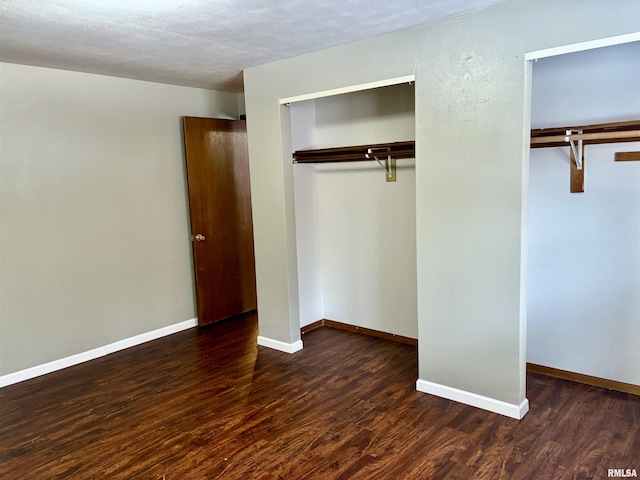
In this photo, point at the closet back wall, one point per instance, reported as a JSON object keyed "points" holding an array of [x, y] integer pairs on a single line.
{"points": [[584, 248], [356, 232]]}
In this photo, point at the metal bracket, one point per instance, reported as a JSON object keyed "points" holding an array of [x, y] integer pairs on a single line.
{"points": [[577, 153], [389, 165]]}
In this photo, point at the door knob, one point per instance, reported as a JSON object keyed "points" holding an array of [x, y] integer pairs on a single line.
{"points": [[199, 238]]}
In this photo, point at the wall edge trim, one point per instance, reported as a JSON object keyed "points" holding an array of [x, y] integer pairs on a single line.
{"points": [[325, 322], [581, 46], [511, 410], [280, 346], [591, 380], [71, 360], [349, 89], [312, 326]]}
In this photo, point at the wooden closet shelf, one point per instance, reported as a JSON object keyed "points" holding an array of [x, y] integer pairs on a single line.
{"points": [[614, 132], [580, 136], [396, 150]]}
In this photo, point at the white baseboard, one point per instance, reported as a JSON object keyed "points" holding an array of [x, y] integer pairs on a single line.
{"points": [[281, 346], [486, 403], [54, 365]]}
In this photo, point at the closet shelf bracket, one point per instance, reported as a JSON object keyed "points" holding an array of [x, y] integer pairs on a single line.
{"points": [[389, 165], [577, 154]]}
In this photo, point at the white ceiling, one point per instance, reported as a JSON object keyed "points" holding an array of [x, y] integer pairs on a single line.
{"points": [[199, 43]]}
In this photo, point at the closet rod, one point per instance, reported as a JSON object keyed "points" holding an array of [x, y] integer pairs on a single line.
{"points": [[555, 136], [358, 153], [601, 137], [576, 137]]}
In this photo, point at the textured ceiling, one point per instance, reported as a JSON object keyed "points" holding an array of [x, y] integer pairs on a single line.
{"points": [[199, 43]]}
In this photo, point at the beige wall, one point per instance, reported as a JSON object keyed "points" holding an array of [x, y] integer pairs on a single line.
{"points": [[94, 232], [471, 165]]}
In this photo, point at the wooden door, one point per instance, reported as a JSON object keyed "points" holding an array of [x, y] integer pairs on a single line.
{"points": [[217, 163]]}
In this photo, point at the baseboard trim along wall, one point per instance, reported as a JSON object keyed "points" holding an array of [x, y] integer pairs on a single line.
{"points": [[587, 379], [355, 329], [78, 358], [281, 346], [496, 406]]}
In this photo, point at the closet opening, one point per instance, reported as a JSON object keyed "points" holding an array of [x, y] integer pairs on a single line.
{"points": [[583, 238], [356, 228]]}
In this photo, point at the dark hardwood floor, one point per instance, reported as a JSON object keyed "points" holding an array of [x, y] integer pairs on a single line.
{"points": [[209, 403]]}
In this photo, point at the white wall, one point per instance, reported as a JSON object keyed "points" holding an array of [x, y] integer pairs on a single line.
{"points": [[584, 248], [472, 158], [305, 179], [378, 115], [94, 231], [368, 247]]}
